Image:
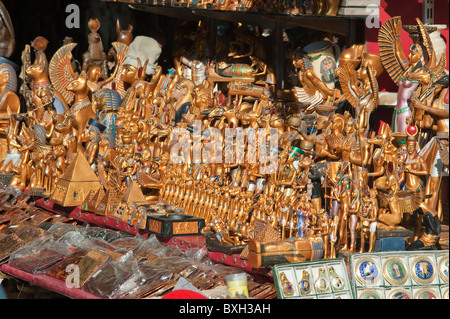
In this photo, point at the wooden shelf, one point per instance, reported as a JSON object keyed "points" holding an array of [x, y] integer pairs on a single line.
{"points": [[340, 25]]}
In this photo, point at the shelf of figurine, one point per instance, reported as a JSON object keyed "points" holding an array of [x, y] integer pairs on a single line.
{"points": [[328, 16], [269, 174]]}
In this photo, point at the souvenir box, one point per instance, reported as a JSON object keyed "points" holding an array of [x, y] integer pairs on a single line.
{"points": [[292, 250], [400, 275], [174, 225], [322, 279]]}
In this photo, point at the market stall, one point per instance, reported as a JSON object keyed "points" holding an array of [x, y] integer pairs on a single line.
{"points": [[276, 141]]}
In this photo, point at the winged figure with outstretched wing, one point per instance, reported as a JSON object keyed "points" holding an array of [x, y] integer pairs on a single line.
{"points": [[360, 89], [415, 72], [61, 73], [115, 82]]}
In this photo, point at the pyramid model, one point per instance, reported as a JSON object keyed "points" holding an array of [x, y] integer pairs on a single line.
{"points": [[77, 182], [108, 203], [93, 199], [133, 194], [79, 170]]}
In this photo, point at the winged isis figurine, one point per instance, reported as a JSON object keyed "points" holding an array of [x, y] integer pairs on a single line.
{"points": [[360, 87], [418, 71], [115, 82], [61, 73]]}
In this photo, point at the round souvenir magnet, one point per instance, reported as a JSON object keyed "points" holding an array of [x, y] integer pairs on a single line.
{"points": [[370, 294], [443, 268], [425, 293], [445, 293], [422, 270], [395, 272], [399, 293], [367, 271]]}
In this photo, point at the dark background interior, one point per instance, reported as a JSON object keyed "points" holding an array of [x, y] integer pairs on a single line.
{"points": [[47, 18]]}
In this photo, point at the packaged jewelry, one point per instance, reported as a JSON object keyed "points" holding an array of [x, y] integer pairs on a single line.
{"points": [[336, 279]]}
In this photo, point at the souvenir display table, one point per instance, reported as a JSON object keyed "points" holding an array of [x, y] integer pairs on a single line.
{"points": [[248, 138]]}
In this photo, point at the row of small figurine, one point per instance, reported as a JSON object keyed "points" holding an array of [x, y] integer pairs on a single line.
{"points": [[316, 7]]}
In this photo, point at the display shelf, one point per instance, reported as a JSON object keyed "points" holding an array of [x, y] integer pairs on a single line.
{"points": [[90, 218], [172, 12], [340, 25], [183, 242]]}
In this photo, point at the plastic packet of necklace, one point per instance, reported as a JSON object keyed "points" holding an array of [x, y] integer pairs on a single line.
{"points": [[152, 273], [196, 254], [178, 265], [117, 279], [38, 255], [108, 235], [9, 194], [29, 233], [76, 239], [151, 249], [128, 243], [59, 229]]}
